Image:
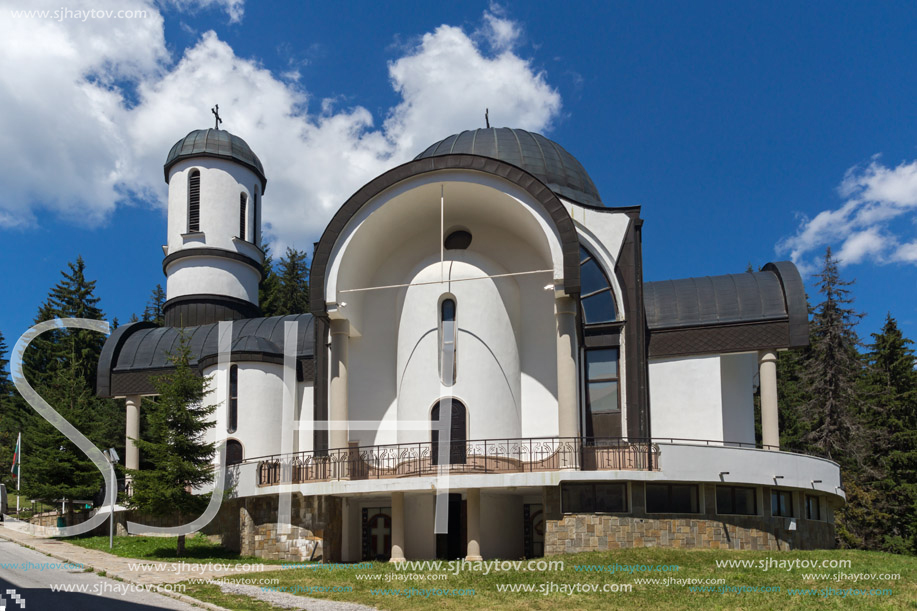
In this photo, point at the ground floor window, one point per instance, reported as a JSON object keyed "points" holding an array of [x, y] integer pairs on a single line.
{"points": [[782, 503], [737, 500], [672, 498], [594, 498], [377, 533], [812, 509]]}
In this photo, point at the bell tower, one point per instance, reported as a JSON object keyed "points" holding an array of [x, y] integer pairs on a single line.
{"points": [[212, 263]]}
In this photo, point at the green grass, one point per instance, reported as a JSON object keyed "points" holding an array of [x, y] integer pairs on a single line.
{"points": [[197, 549], [697, 564]]}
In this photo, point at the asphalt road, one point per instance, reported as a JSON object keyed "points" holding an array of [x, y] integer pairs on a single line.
{"points": [[90, 591]]}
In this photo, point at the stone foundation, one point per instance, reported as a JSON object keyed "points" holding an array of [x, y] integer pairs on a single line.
{"points": [[250, 526], [571, 533]]}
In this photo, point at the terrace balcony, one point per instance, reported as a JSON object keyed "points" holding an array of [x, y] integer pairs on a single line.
{"points": [[528, 462]]}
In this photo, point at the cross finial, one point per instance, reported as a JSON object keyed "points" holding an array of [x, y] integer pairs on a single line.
{"points": [[216, 113], [487, 117]]}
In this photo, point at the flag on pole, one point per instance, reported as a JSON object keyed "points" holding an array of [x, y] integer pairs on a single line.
{"points": [[15, 469]]}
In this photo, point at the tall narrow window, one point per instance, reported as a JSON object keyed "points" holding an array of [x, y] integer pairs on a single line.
{"points": [[447, 350], [233, 399], [256, 226], [603, 408], [194, 201], [243, 205]]}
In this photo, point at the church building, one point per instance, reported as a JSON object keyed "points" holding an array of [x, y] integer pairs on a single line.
{"points": [[485, 373]]}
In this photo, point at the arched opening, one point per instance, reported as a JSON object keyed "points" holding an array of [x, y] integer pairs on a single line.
{"points": [[194, 201], [234, 453], [451, 419]]}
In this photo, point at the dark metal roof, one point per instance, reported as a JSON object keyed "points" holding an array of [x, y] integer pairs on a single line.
{"points": [[142, 347], [150, 348], [215, 143], [733, 298], [548, 161]]}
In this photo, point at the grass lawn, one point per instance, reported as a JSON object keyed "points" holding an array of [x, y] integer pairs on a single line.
{"points": [[197, 549], [692, 564]]}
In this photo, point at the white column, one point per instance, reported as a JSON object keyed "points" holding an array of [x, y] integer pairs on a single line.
{"points": [[132, 431], [340, 329], [767, 370], [474, 525], [567, 413], [397, 527]]}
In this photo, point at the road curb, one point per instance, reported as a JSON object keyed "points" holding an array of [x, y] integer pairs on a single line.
{"points": [[175, 595]]}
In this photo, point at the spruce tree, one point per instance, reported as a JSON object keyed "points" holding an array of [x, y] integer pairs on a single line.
{"points": [[153, 311], [890, 397], [293, 293], [269, 286], [174, 445], [61, 365], [831, 370]]}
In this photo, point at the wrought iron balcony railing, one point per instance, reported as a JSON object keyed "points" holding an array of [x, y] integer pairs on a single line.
{"points": [[484, 456]]}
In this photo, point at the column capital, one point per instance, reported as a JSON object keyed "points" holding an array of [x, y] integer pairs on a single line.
{"points": [[767, 356], [340, 326], [565, 305]]}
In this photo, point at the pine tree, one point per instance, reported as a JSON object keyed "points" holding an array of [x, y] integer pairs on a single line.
{"points": [[153, 311], [269, 287], [10, 412], [890, 393], [831, 370], [175, 446], [293, 294], [61, 366]]}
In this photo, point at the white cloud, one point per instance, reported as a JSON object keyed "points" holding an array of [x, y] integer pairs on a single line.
{"points": [[234, 8], [76, 123], [870, 224]]}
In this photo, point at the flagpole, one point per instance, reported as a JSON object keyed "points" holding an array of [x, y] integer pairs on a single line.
{"points": [[18, 470]]}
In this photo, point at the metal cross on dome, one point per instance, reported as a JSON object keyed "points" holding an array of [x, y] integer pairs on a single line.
{"points": [[216, 113]]}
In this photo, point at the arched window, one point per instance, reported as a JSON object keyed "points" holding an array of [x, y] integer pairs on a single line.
{"points": [[243, 205], [454, 423], [233, 423], [256, 206], [233, 452], [447, 341], [194, 201], [597, 298]]}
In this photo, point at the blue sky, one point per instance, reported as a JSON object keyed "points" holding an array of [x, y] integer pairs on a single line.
{"points": [[748, 132]]}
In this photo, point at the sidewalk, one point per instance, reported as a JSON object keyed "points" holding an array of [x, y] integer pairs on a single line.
{"points": [[114, 566]]}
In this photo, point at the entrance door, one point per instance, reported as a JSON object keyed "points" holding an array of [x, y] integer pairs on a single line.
{"points": [[533, 516], [452, 545], [456, 431], [377, 533]]}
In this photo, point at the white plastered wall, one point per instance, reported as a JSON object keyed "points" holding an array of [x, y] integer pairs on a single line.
{"points": [[506, 348], [738, 373], [260, 407], [222, 183], [686, 397]]}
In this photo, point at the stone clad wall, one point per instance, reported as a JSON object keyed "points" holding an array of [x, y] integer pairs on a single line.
{"points": [[571, 533], [249, 526]]}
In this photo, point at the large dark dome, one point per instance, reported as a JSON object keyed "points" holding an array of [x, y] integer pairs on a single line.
{"points": [[215, 143], [543, 158]]}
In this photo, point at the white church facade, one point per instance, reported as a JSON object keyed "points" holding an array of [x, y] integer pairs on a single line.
{"points": [[484, 372]]}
